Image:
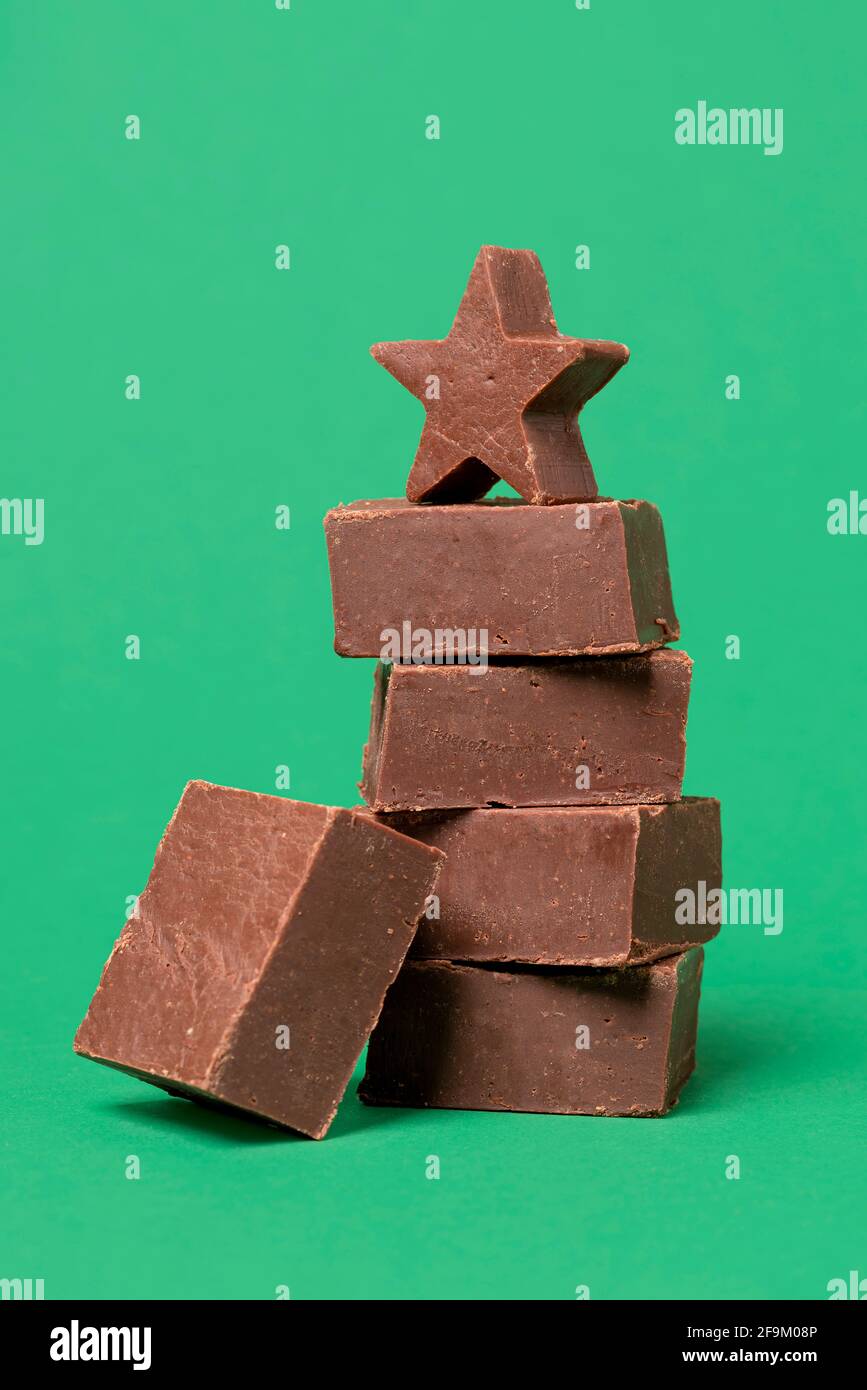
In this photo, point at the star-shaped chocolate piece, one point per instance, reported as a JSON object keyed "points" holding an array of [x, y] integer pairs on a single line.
{"points": [[503, 391]]}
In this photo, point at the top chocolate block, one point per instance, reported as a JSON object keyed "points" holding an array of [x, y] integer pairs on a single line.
{"points": [[510, 579], [502, 392]]}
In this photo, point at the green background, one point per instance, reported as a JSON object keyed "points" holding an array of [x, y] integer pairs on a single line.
{"points": [[156, 257]]}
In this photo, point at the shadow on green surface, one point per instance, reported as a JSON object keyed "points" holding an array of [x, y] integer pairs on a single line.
{"points": [[732, 1058], [213, 1123], [220, 1124], [353, 1117]]}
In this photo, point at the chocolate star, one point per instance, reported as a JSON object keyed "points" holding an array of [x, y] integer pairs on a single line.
{"points": [[503, 391]]}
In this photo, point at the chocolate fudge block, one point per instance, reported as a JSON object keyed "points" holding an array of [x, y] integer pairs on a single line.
{"points": [[583, 732], [256, 962], [527, 581], [566, 885], [591, 1042]]}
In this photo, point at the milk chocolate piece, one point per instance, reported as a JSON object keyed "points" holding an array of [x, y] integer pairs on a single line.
{"points": [[256, 962], [468, 1037], [589, 731], [527, 581], [568, 885], [503, 391]]}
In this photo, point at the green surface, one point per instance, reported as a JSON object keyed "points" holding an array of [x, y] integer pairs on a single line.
{"points": [[156, 257]]}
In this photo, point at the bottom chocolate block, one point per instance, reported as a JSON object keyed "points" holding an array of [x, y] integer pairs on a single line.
{"points": [[565, 1042]]}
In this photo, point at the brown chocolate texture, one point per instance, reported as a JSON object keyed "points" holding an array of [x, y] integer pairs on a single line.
{"points": [[574, 885], [260, 915], [502, 392], [471, 1037], [555, 581], [588, 731]]}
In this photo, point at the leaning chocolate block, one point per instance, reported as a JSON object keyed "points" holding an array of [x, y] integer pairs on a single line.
{"points": [[506, 578], [468, 1037], [256, 963], [590, 731], [567, 885]]}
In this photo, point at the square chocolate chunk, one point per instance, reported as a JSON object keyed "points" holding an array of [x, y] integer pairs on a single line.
{"points": [[258, 957]]}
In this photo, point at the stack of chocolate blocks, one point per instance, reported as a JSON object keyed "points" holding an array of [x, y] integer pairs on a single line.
{"points": [[529, 721], [523, 788]]}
